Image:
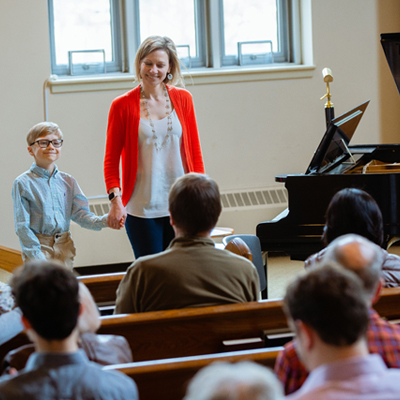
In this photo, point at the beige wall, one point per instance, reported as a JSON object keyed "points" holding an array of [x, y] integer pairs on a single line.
{"points": [[272, 127]]}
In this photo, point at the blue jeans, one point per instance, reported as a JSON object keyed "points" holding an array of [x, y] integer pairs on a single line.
{"points": [[148, 235]]}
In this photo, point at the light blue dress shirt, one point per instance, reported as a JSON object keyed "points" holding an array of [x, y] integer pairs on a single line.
{"points": [[45, 203], [67, 376]]}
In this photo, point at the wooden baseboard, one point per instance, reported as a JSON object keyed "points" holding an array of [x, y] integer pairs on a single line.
{"points": [[10, 259]]}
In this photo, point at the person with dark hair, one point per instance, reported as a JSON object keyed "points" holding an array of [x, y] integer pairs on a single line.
{"points": [[355, 211], [191, 272], [364, 258], [102, 349], [48, 296], [327, 308], [352, 210]]}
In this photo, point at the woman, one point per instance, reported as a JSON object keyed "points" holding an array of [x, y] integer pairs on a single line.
{"points": [[352, 210], [153, 130]]}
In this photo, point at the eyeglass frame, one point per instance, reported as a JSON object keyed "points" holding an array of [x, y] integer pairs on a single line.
{"points": [[48, 142]]}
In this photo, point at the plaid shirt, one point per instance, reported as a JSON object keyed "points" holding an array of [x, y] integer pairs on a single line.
{"points": [[383, 338]]}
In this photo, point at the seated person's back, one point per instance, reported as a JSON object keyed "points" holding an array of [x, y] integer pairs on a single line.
{"points": [[328, 310], [191, 272], [48, 296], [352, 210]]}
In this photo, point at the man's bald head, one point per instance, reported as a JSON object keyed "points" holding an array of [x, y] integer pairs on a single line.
{"points": [[359, 255]]}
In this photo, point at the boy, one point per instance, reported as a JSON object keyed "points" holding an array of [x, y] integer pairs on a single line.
{"points": [[45, 200]]}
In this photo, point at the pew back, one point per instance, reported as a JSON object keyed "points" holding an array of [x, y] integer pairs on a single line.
{"points": [[103, 287], [187, 332], [195, 331], [388, 305], [167, 379]]}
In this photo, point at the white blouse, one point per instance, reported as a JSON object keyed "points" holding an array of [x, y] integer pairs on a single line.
{"points": [[158, 167]]}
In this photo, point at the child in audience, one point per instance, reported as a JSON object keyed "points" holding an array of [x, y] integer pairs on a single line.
{"points": [[45, 201]]}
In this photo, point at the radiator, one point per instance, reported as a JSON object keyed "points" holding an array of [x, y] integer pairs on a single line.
{"points": [[242, 210]]}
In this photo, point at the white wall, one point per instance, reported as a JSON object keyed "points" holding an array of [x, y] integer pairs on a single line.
{"points": [[272, 127]]}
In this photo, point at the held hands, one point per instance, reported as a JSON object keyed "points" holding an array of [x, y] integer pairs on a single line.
{"points": [[117, 215]]}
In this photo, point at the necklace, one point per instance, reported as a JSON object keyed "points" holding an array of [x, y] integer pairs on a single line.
{"points": [[167, 113]]}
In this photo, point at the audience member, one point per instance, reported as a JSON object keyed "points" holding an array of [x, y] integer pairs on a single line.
{"points": [[364, 258], [355, 211], [327, 308], [48, 296], [244, 380], [102, 349], [192, 272]]}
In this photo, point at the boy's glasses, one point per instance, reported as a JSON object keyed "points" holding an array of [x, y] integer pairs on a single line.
{"points": [[45, 143]]}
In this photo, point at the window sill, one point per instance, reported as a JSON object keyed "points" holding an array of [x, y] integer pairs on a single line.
{"points": [[199, 76]]}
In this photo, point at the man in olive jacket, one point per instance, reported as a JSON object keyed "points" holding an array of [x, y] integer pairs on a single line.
{"points": [[191, 272]]}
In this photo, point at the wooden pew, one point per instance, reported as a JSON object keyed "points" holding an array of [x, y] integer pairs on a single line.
{"points": [[388, 305], [10, 259], [103, 287], [195, 331], [167, 379], [185, 332]]}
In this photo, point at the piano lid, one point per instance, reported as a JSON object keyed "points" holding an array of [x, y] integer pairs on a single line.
{"points": [[333, 149], [391, 46]]}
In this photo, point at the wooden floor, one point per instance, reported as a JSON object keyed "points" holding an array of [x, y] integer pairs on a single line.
{"points": [[281, 270]]}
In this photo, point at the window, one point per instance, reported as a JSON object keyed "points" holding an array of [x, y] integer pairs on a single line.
{"points": [[254, 32], [101, 36], [84, 37]]}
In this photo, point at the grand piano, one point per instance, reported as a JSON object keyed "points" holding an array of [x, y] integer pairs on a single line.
{"points": [[337, 165]]}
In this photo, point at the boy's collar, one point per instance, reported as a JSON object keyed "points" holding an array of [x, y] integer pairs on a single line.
{"points": [[43, 172]]}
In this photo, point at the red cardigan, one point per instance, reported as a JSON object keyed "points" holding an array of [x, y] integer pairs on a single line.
{"points": [[123, 132]]}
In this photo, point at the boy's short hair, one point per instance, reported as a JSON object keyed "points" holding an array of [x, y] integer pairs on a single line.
{"points": [[42, 129], [48, 295], [332, 301], [195, 203]]}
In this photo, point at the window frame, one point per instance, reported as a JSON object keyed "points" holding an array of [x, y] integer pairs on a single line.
{"points": [[116, 65], [301, 65], [133, 39], [284, 40]]}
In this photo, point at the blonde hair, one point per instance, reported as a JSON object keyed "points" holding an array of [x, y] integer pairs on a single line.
{"points": [[153, 43], [42, 129]]}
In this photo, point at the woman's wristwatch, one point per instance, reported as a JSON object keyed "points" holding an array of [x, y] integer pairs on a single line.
{"points": [[113, 195]]}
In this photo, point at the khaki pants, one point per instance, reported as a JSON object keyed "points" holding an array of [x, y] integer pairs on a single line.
{"points": [[58, 247]]}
